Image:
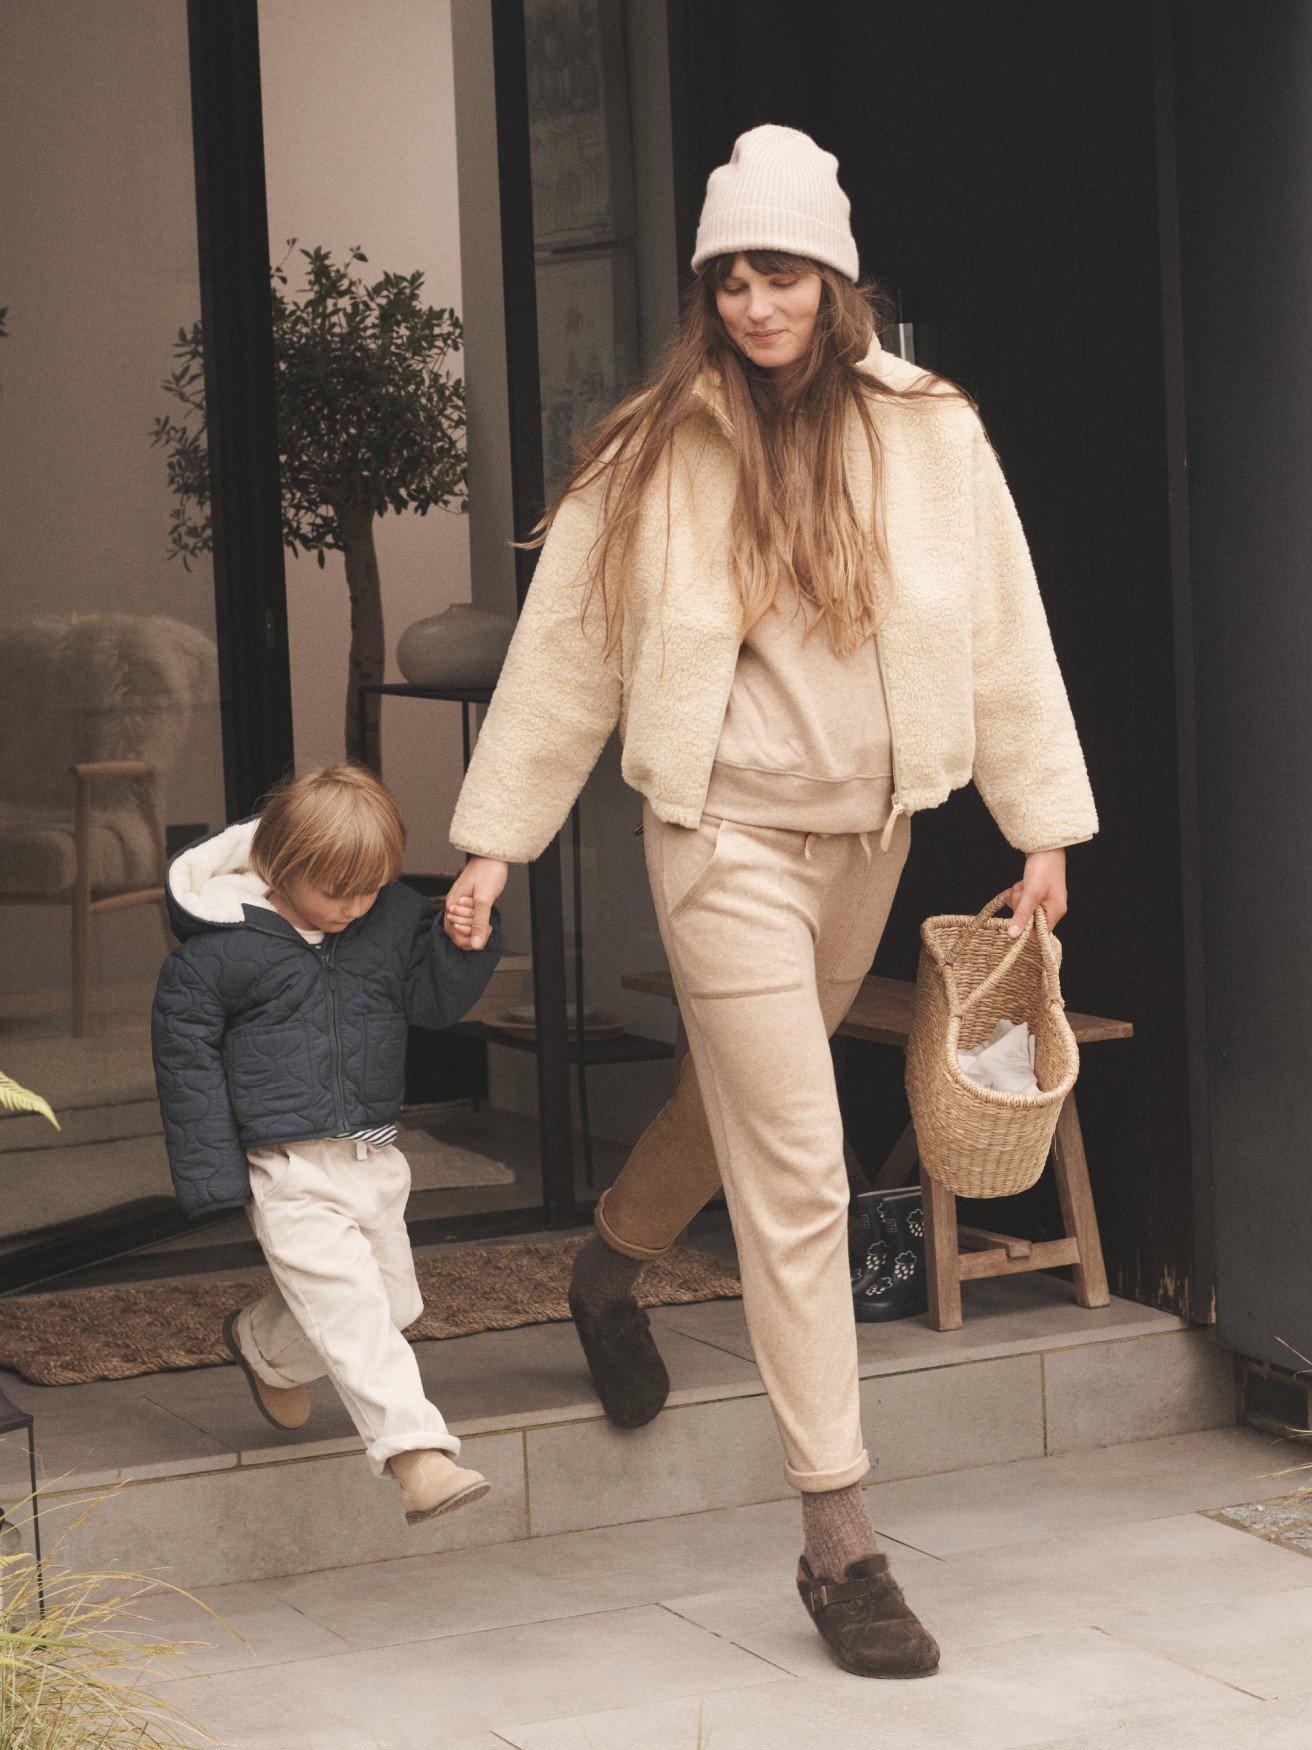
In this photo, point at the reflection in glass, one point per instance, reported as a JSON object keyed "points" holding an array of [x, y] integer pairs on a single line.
{"points": [[583, 216], [109, 727], [387, 188]]}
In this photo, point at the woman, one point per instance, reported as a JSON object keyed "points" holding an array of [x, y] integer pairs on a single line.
{"points": [[791, 571]]}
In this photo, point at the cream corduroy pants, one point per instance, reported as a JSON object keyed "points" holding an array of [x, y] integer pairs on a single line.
{"points": [[768, 933], [330, 1219]]}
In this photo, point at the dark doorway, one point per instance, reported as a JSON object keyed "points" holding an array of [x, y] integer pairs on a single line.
{"points": [[1003, 167]]}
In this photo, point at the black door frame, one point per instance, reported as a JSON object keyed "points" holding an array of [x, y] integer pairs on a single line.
{"points": [[232, 232], [524, 399], [1203, 1213]]}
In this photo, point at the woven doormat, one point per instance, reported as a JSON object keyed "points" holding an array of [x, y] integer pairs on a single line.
{"points": [[154, 1327]]}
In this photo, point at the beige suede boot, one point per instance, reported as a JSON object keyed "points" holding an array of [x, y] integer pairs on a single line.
{"points": [[432, 1483], [286, 1406]]}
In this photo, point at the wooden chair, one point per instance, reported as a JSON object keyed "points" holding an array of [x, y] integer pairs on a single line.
{"points": [[82, 894], [94, 709], [881, 1015]]}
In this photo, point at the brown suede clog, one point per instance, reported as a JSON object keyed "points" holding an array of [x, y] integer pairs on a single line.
{"points": [[866, 1623]]}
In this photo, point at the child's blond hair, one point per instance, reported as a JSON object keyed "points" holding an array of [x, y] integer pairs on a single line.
{"points": [[336, 827]]}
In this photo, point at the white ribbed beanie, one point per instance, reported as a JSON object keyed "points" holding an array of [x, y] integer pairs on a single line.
{"points": [[779, 190]]}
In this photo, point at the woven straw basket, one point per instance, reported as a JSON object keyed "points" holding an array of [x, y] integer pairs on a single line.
{"points": [[978, 1141]]}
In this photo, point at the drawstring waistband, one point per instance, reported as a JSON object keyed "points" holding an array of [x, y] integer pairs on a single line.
{"points": [[863, 836], [885, 838]]}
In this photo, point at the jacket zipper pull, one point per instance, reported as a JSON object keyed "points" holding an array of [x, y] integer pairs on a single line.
{"points": [[886, 837]]}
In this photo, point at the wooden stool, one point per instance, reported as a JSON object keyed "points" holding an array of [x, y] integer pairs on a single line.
{"points": [[881, 1015]]}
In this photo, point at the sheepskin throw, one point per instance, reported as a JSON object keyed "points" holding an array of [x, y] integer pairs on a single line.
{"points": [[96, 687]]}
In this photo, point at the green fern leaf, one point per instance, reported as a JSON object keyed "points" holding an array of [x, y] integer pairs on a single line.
{"points": [[16, 1099]]}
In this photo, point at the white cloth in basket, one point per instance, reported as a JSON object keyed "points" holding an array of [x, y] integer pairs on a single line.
{"points": [[1004, 1061]]}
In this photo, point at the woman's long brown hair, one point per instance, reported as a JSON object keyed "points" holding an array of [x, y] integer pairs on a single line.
{"points": [[793, 520]]}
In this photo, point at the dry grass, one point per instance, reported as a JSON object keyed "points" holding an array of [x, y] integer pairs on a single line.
{"points": [[74, 1679], [1298, 1433]]}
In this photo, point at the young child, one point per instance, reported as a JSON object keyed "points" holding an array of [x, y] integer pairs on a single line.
{"points": [[279, 1032]]}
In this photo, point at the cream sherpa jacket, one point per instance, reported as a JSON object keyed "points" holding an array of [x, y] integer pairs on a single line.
{"points": [[972, 682]]}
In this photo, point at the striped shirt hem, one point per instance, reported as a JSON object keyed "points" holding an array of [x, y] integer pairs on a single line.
{"points": [[381, 1137]]}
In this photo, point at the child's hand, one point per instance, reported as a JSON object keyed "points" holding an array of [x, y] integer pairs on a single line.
{"points": [[467, 916], [459, 920]]}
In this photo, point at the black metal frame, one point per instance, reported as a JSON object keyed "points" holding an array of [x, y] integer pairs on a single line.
{"points": [[232, 229], [11, 1420], [1203, 1261], [546, 903]]}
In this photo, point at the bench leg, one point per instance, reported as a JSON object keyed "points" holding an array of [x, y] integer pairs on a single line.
{"points": [[1071, 1169], [942, 1259], [857, 1184], [900, 1167]]}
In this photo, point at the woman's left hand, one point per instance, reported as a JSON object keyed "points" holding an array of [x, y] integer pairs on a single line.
{"points": [[1043, 883]]}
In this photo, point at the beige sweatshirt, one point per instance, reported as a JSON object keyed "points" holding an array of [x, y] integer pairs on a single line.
{"points": [[805, 742]]}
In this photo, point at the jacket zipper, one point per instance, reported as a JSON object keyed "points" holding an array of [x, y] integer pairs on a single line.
{"points": [[899, 807], [323, 954], [339, 1088]]}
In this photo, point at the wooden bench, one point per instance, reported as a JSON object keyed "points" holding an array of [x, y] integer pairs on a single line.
{"points": [[881, 1014]]}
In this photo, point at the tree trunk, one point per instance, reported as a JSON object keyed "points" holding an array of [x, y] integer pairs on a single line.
{"points": [[368, 647]]}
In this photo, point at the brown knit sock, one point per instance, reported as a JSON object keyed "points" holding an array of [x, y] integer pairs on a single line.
{"points": [[836, 1530], [601, 1274]]}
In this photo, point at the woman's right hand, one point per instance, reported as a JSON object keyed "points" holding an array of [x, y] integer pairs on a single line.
{"points": [[467, 908]]}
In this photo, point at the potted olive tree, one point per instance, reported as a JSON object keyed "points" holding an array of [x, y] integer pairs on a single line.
{"points": [[369, 420]]}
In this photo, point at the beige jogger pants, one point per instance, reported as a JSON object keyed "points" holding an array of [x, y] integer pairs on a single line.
{"points": [[330, 1219], [768, 933]]}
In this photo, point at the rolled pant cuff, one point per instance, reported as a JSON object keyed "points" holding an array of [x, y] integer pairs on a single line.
{"points": [[819, 1482], [380, 1451], [614, 1241], [262, 1369]]}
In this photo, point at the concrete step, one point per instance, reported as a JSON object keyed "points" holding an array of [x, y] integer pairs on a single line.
{"points": [[176, 1474]]}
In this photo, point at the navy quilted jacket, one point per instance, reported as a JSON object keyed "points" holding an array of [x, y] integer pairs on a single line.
{"points": [[260, 1037]]}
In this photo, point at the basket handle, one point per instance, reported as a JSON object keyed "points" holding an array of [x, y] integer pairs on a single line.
{"points": [[1047, 954]]}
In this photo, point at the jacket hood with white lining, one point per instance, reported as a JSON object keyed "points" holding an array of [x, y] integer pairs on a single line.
{"points": [[211, 883]]}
